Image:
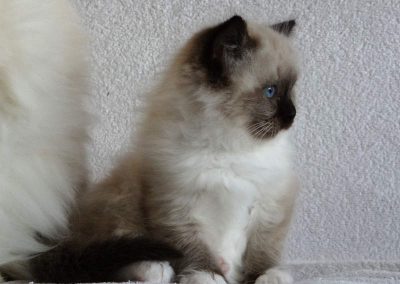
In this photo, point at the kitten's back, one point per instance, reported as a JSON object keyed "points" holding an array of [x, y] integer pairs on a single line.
{"points": [[42, 122]]}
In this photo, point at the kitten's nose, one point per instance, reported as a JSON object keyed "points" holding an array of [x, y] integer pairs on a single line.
{"points": [[287, 114], [290, 115]]}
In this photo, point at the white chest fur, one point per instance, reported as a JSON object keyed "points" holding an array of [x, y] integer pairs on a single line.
{"points": [[228, 187]]}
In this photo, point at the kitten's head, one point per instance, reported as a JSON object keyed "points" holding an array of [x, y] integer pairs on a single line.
{"points": [[245, 72]]}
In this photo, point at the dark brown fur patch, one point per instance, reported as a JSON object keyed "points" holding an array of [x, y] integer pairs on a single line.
{"points": [[219, 49], [98, 261]]}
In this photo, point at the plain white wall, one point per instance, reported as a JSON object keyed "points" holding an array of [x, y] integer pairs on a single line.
{"points": [[347, 129]]}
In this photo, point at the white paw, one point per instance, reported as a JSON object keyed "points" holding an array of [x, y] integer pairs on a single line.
{"points": [[201, 277], [275, 276], [148, 271], [1, 279]]}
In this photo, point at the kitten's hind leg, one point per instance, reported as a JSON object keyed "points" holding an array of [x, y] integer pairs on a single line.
{"points": [[148, 271]]}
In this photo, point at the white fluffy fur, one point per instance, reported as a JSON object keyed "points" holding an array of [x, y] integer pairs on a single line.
{"points": [[42, 121]]}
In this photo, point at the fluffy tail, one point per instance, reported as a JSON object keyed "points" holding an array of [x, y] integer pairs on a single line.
{"points": [[98, 262]]}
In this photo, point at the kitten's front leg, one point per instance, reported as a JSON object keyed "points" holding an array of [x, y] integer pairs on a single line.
{"points": [[261, 258], [198, 265], [265, 244]]}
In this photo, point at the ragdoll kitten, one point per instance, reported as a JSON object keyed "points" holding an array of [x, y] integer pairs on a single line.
{"points": [[215, 156], [211, 172], [42, 123]]}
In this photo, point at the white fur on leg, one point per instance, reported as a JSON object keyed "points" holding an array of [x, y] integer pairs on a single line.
{"points": [[201, 277], [275, 276], [1, 279], [149, 271]]}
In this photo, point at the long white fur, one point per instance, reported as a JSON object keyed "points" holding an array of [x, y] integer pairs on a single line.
{"points": [[42, 122]]}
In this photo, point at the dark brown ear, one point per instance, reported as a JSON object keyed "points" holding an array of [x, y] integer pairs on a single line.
{"points": [[284, 27], [223, 46], [230, 38]]}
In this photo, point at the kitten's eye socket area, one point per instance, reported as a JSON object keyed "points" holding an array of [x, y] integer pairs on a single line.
{"points": [[270, 91]]}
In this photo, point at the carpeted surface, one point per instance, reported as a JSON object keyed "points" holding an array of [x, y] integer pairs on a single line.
{"points": [[345, 272], [348, 124]]}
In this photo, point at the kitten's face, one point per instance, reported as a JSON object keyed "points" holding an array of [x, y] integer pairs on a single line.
{"points": [[248, 72]]}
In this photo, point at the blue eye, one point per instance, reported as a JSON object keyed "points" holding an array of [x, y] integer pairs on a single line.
{"points": [[270, 91]]}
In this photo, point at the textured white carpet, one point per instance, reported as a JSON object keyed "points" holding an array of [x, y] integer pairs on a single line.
{"points": [[347, 129]]}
